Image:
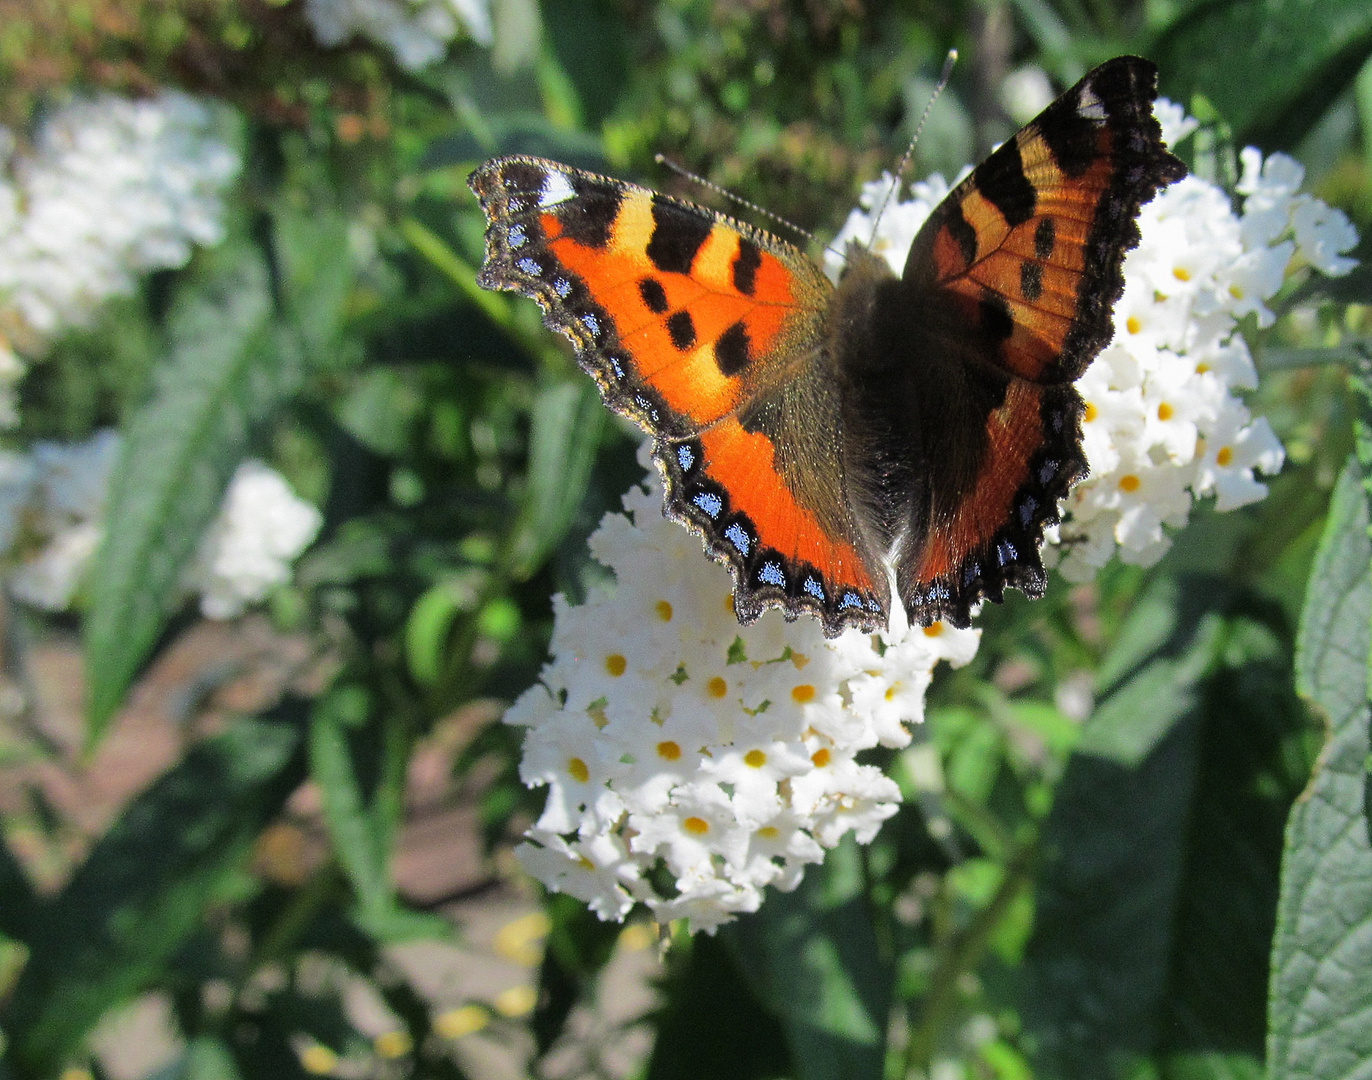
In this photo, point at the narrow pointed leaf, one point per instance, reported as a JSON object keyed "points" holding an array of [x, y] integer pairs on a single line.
{"points": [[567, 421], [229, 368], [357, 757]]}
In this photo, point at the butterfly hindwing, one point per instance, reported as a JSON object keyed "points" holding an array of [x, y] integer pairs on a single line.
{"points": [[705, 332]]}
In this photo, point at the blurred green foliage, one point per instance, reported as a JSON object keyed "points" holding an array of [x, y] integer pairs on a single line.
{"points": [[1096, 901]]}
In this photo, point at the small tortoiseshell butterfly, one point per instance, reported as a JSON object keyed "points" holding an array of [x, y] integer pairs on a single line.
{"points": [[816, 435]]}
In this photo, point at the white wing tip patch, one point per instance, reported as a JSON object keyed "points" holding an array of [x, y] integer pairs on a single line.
{"points": [[1089, 106], [556, 189]]}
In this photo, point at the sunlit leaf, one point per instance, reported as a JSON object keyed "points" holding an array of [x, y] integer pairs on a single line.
{"points": [[1320, 1011]]}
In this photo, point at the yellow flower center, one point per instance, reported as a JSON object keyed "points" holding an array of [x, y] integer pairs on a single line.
{"points": [[803, 693], [1132, 324], [755, 759], [821, 757], [717, 687], [1091, 412], [1181, 274], [698, 826], [768, 832], [1129, 482], [1164, 411], [393, 1044], [664, 610], [1224, 456], [576, 768], [616, 665], [463, 1020], [668, 750], [318, 1059], [934, 629], [515, 1002]]}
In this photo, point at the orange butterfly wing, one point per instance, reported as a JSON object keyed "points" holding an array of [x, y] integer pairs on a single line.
{"points": [[704, 331], [1017, 272]]}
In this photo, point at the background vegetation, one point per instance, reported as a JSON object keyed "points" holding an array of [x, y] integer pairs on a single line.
{"points": [[1132, 897]]}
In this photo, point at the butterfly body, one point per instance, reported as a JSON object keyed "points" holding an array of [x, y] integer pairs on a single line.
{"points": [[826, 441]]}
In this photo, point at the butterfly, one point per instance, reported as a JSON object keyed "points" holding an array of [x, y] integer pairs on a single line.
{"points": [[836, 444]]}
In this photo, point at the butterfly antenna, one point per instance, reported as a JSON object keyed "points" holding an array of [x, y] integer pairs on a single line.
{"points": [[948, 63], [661, 160]]}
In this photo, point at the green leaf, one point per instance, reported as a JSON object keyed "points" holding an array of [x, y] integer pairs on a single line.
{"points": [[1362, 93], [712, 1026], [229, 368], [428, 630], [382, 409], [1153, 673], [1320, 1014], [460, 272], [358, 754], [144, 888], [589, 40], [812, 956], [1158, 890], [17, 901], [1360, 382], [1211, 1067], [317, 272], [205, 1058], [567, 421], [529, 133], [579, 947], [1297, 56]]}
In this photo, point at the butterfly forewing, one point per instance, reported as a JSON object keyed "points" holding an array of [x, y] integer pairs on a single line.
{"points": [[706, 332]]}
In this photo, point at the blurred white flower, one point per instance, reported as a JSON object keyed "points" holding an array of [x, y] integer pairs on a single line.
{"points": [[690, 762], [248, 551], [900, 220], [52, 505], [50, 520], [1175, 124], [416, 31], [1026, 92], [110, 190]]}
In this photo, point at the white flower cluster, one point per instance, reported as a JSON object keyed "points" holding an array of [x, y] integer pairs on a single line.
{"points": [[248, 551], [1163, 424], [52, 504], [416, 31], [690, 761], [109, 190]]}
